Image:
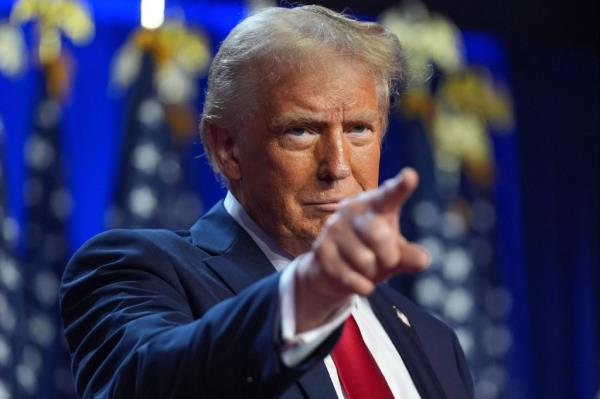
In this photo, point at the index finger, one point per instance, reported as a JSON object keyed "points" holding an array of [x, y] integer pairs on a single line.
{"points": [[394, 192]]}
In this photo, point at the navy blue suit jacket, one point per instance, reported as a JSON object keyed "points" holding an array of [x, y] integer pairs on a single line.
{"points": [[156, 313]]}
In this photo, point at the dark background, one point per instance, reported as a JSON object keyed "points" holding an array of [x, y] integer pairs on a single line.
{"points": [[532, 23]]}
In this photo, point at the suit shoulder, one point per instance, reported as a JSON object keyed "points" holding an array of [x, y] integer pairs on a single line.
{"points": [[134, 237], [149, 249], [135, 241]]}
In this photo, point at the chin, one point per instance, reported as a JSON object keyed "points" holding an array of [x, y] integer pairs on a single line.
{"points": [[318, 226]]}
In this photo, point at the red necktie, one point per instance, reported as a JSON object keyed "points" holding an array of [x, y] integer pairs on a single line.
{"points": [[358, 372]]}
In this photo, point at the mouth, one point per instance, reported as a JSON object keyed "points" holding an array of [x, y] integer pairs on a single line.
{"points": [[327, 205]]}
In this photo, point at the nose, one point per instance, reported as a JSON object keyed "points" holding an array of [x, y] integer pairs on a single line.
{"points": [[334, 159]]}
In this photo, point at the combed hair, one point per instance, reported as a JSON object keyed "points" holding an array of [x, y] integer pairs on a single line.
{"points": [[275, 40]]}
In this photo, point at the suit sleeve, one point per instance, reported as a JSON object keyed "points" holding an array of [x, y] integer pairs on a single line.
{"points": [[131, 332]]}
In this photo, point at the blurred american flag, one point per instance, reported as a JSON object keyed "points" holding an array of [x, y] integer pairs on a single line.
{"points": [[153, 189], [37, 362]]}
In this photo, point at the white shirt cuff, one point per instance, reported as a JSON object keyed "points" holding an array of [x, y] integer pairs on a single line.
{"points": [[297, 347]]}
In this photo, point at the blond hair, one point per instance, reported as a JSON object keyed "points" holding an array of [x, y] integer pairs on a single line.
{"points": [[276, 39]]}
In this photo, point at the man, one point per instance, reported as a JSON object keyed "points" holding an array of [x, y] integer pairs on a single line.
{"points": [[295, 113]]}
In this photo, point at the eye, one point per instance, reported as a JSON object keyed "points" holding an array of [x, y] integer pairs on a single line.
{"points": [[360, 129], [299, 137], [298, 131], [361, 133]]}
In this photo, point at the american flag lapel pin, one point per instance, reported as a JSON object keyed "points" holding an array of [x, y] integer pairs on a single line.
{"points": [[401, 316]]}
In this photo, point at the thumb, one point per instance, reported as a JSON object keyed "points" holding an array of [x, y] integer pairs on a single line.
{"points": [[394, 192]]}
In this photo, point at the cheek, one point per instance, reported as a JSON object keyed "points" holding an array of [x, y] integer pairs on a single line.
{"points": [[366, 166], [289, 170], [277, 180]]}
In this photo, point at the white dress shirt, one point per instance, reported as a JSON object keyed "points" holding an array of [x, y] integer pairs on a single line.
{"points": [[299, 346]]}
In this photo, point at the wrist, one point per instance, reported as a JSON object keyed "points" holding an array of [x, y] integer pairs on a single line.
{"points": [[314, 305]]}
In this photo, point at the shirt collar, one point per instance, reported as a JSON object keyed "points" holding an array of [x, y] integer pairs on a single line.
{"points": [[278, 258]]}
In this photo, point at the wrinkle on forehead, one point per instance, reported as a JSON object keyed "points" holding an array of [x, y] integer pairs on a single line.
{"points": [[286, 64], [263, 75], [324, 96]]}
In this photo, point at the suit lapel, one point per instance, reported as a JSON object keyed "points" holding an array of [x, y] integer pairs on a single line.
{"points": [[408, 345], [238, 261], [316, 383]]}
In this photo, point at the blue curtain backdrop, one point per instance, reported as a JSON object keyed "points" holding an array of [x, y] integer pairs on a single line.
{"points": [[546, 192]]}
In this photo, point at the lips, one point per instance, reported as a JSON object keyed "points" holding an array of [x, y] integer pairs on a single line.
{"points": [[328, 205]]}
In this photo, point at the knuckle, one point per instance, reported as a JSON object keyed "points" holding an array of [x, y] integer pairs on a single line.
{"points": [[327, 260], [366, 258], [377, 234], [390, 260], [365, 289], [361, 223], [347, 280], [393, 256]]}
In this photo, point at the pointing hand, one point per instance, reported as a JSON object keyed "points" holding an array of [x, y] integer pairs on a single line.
{"points": [[360, 246]]}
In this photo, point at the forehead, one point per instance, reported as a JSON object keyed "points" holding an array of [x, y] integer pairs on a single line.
{"points": [[328, 86]]}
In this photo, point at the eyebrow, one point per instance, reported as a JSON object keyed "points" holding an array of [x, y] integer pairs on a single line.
{"points": [[293, 119], [306, 118]]}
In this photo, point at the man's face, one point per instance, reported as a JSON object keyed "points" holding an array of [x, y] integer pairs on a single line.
{"points": [[314, 140]]}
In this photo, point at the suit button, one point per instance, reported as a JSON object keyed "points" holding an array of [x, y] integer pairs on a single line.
{"points": [[249, 379]]}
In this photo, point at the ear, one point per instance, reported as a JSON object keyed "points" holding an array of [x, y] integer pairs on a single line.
{"points": [[222, 143]]}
